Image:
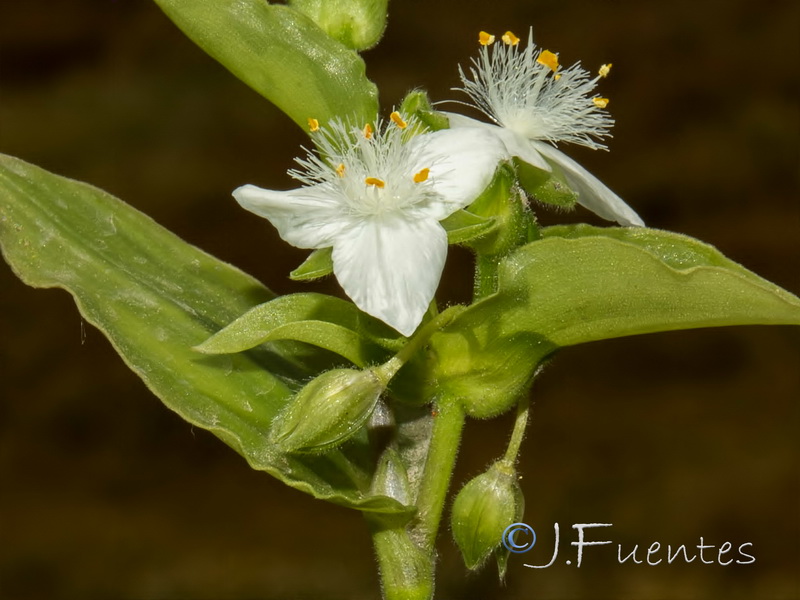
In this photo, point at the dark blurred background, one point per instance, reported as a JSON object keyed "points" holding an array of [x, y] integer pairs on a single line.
{"points": [[106, 494]]}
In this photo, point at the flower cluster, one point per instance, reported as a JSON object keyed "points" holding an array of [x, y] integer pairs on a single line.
{"points": [[376, 194]]}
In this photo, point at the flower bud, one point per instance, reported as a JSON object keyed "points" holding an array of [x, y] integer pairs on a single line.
{"points": [[358, 24], [327, 411], [482, 511]]}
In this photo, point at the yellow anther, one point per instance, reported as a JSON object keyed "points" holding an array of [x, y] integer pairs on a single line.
{"points": [[379, 183], [604, 70], [340, 170], [556, 76], [600, 102], [548, 59], [509, 39], [313, 124], [398, 120], [367, 131], [422, 175], [485, 39]]}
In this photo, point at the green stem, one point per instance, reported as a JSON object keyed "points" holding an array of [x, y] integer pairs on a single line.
{"points": [[406, 558], [520, 423], [406, 571], [445, 439]]}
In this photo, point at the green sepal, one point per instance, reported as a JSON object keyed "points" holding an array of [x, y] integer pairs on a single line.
{"points": [[417, 104], [502, 202], [580, 284], [358, 24], [433, 120], [530, 178], [463, 226], [283, 55], [154, 297], [318, 264], [548, 187]]}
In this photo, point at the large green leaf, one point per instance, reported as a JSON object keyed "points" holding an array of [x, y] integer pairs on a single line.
{"points": [[155, 297], [324, 321], [581, 284], [633, 280], [282, 54]]}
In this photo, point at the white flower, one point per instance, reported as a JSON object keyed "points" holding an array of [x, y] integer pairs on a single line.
{"points": [[536, 103], [377, 196]]}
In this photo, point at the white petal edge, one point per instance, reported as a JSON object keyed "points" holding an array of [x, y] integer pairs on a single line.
{"points": [[461, 162], [390, 267], [515, 144], [592, 193], [307, 217]]}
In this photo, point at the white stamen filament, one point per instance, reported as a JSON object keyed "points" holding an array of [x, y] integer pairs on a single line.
{"points": [[513, 89]]}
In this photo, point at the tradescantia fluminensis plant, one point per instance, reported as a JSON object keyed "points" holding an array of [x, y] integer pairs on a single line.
{"points": [[362, 402]]}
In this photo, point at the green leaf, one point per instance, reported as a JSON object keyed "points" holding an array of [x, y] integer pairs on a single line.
{"points": [[676, 250], [283, 55], [655, 281], [581, 284], [155, 296], [323, 321], [318, 264]]}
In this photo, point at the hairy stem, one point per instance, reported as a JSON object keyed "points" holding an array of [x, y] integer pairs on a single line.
{"points": [[445, 439], [520, 423], [406, 571]]}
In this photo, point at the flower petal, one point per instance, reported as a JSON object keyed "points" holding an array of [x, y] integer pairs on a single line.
{"points": [[461, 162], [592, 193], [390, 267], [308, 217], [515, 144]]}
